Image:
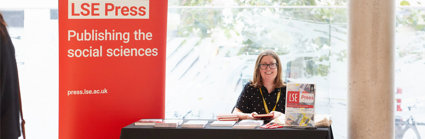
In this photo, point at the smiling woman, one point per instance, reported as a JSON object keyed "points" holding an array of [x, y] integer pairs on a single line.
{"points": [[268, 79]]}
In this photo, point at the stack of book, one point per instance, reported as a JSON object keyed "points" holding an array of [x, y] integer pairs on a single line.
{"points": [[147, 122], [227, 117], [195, 124], [248, 124], [223, 123], [169, 123]]}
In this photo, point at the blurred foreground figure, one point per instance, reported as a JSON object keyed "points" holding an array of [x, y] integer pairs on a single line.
{"points": [[10, 106]]}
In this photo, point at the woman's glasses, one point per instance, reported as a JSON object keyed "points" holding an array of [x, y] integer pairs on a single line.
{"points": [[271, 66]]}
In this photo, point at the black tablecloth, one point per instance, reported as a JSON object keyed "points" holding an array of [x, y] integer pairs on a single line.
{"points": [[140, 132]]}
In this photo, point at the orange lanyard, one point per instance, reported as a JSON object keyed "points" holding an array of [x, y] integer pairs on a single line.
{"points": [[265, 104]]}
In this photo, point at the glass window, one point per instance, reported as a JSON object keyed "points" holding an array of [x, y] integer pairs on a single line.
{"points": [[212, 47], [409, 67]]}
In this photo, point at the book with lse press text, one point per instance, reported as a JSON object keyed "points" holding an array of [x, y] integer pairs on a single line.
{"points": [[300, 99]]}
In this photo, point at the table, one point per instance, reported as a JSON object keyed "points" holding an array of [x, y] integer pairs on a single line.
{"points": [[140, 132]]}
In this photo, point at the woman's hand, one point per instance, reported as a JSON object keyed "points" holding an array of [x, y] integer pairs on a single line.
{"points": [[253, 115], [276, 114], [243, 116]]}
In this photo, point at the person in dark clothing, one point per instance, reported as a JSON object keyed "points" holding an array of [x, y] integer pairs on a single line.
{"points": [[266, 93], [9, 87]]}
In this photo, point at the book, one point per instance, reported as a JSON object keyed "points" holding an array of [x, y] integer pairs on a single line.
{"points": [[195, 124], [248, 124], [223, 123], [269, 115], [147, 122], [300, 104], [169, 123], [227, 117]]}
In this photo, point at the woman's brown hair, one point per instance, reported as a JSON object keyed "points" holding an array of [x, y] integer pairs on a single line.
{"points": [[257, 80]]}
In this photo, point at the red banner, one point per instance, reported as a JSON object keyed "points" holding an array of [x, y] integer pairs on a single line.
{"points": [[111, 65]]}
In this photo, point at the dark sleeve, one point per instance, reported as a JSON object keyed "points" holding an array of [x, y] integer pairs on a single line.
{"points": [[1, 65], [9, 89], [243, 102], [1, 75]]}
